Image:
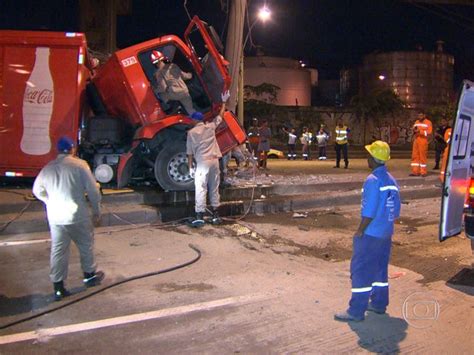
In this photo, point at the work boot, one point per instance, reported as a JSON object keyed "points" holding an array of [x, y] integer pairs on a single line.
{"points": [[59, 291], [436, 167], [346, 317], [216, 219], [198, 220], [337, 166], [371, 308], [92, 279]]}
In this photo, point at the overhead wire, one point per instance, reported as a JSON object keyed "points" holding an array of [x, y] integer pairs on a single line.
{"points": [[446, 17], [185, 5]]}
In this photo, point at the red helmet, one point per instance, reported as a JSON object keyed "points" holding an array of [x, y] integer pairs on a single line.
{"points": [[157, 56]]}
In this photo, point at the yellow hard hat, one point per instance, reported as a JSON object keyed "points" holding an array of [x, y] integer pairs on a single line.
{"points": [[379, 150]]}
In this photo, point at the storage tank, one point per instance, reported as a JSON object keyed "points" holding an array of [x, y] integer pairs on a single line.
{"points": [[420, 78], [288, 74]]}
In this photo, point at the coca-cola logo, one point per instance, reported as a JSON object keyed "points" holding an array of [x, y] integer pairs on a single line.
{"points": [[38, 96]]}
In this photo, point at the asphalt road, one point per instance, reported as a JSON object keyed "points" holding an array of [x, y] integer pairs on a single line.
{"points": [[265, 284]]}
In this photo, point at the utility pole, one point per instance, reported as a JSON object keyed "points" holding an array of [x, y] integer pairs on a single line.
{"points": [[233, 51]]}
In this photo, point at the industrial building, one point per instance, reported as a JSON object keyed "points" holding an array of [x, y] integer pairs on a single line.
{"points": [[293, 79], [420, 78]]}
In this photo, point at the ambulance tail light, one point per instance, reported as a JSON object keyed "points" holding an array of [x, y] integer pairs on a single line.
{"points": [[470, 197]]}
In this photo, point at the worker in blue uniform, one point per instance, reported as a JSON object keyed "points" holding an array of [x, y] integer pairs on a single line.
{"points": [[372, 240]]}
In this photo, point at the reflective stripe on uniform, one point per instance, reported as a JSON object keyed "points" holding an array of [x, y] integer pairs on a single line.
{"points": [[421, 124], [341, 138], [423, 165], [389, 187], [415, 164], [362, 289], [380, 284]]}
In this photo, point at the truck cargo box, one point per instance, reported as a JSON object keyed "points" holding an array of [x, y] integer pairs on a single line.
{"points": [[42, 81]]}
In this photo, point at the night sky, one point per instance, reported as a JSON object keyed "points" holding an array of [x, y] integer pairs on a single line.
{"points": [[326, 34]]}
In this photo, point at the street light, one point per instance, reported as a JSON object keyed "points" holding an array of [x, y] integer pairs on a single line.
{"points": [[263, 15]]}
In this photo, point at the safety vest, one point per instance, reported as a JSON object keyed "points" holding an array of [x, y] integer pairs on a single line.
{"points": [[341, 134], [307, 138], [424, 128], [447, 135]]}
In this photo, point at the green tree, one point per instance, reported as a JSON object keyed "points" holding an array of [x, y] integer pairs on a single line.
{"points": [[445, 110], [375, 105], [259, 101]]}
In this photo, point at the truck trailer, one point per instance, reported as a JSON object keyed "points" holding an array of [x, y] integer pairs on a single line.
{"points": [[49, 88]]}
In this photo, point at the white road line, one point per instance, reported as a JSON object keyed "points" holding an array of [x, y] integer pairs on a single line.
{"points": [[23, 242], [133, 318]]}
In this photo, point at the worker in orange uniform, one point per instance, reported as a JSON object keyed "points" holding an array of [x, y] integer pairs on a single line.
{"points": [[422, 130], [447, 139]]}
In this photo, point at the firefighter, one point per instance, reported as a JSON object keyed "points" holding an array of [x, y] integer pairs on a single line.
{"points": [[422, 130], [62, 185], [342, 134], [322, 137], [306, 140], [447, 139], [291, 143], [372, 241], [202, 146], [169, 83]]}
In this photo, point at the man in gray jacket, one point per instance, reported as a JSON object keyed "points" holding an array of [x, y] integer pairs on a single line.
{"points": [[169, 81], [62, 185]]}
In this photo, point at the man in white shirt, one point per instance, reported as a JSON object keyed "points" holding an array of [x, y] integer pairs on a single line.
{"points": [[201, 145], [62, 185]]}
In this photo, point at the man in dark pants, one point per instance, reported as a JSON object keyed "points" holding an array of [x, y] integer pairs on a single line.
{"points": [[372, 241], [62, 185], [342, 134], [440, 144]]}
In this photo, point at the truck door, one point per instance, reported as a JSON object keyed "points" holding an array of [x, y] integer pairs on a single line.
{"points": [[205, 46], [458, 167]]}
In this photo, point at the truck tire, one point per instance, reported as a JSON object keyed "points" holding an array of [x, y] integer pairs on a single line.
{"points": [[171, 168]]}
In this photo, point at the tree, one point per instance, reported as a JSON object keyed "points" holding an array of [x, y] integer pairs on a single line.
{"points": [[260, 100], [445, 110], [374, 106]]}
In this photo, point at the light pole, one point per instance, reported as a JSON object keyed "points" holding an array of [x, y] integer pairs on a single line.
{"points": [[263, 15]]}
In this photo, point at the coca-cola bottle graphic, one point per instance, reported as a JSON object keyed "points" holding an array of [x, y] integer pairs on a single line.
{"points": [[38, 106]]}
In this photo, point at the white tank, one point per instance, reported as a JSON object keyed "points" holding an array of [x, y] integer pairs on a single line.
{"points": [[294, 80]]}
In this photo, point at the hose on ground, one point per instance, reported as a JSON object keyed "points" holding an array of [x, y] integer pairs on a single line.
{"points": [[100, 290]]}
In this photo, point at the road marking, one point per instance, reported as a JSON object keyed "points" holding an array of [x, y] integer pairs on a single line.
{"points": [[23, 242], [133, 318]]}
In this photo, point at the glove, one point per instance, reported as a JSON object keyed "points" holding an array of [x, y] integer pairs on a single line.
{"points": [[192, 172], [225, 96]]}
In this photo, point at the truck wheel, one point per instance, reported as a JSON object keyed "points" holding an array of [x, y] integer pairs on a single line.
{"points": [[171, 168]]}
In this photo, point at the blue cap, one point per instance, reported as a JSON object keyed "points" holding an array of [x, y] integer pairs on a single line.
{"points": [[65, 145], [198, 116]]}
